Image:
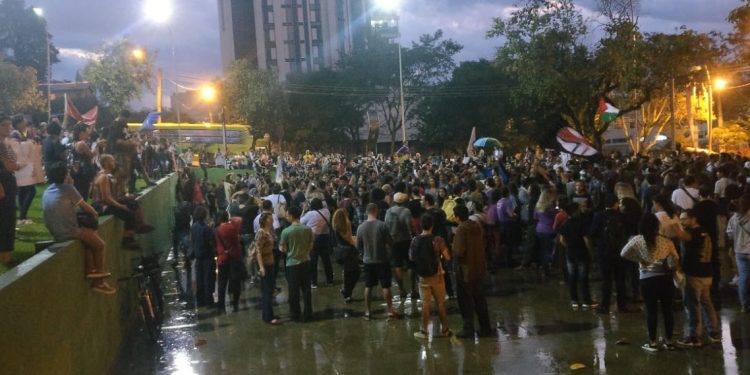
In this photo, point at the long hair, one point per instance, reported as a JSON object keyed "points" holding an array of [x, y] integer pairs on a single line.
{"points": [[649, 228], [546, 199], [341, 223], [666, 204]]}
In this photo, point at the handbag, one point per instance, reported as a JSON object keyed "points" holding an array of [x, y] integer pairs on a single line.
{"points": [[86, 220]]}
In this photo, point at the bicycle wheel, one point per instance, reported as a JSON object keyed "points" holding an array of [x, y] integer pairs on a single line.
{"points": [[157, 297], [149, 320]]}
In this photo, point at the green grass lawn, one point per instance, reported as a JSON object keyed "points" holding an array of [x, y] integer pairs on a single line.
{"points": [[28, 235]]}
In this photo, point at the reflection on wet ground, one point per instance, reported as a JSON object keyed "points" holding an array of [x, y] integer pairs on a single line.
{"points": [[538, 333]]}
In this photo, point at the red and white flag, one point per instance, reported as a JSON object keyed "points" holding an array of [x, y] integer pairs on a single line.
{"points": [[88, 118], [573, 142]]}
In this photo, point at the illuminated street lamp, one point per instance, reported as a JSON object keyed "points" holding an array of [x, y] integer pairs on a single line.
{"points": [[158, 11], [40, 13], [392, 6], [138, 54], [208, 93], [720, 85]]}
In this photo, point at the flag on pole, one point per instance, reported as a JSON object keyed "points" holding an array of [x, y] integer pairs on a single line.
{"points": [[607, 112], [472, 139], [88, 118], [280, 170], [151, 119], [573, 142]]}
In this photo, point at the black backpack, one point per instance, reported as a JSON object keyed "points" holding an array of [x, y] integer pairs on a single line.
{"points": [[614, 232], [425, 257]]}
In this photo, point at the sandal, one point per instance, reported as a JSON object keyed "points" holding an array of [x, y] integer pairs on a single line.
{"points": [[393, 316], [447, 332]]}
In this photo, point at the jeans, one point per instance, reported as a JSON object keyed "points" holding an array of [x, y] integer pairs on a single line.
{"points": [[658, 292], [471, 300], [204, 282], [578, 272], [612, 267], [298, 280], [743, 268], [351, 276], [546, 247], [697, 295], [26, 195], [266, 294], [321, 248], [233, 286]]}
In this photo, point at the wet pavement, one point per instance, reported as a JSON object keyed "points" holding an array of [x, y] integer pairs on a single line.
{"points": [[539, 333]]}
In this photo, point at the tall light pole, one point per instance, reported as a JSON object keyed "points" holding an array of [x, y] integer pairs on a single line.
{"points": [[391, 7], [40, 13], [160, 12]]}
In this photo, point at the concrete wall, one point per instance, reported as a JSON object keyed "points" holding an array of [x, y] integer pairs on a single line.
{"points": [[51, 322]]}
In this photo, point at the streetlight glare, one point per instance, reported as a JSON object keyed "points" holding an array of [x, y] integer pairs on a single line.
{"points": [[208, 93], [388, 5], [138, 54], [720, 84], [38, 11], [158, 11]]}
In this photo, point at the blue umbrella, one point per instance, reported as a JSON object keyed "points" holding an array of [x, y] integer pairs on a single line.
{"points": [[151, 119], [487, 142]]}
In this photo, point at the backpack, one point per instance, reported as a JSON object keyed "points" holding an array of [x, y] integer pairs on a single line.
{"points": [[425, 258], [448, 205]]}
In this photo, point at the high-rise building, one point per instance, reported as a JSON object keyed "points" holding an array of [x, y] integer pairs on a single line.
{"points": [[291, 35]]}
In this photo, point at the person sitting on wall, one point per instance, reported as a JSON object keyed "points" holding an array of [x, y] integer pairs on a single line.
{"points": [[107, 201], [59, 204]]}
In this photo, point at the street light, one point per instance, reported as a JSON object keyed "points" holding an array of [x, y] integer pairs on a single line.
{"points": [[40, 13], [208, 93], [158, 11], [720, 85], [138, 54], [392, 6]]}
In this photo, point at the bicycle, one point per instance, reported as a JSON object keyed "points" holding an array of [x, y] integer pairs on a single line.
{"points": [[151, 299]]}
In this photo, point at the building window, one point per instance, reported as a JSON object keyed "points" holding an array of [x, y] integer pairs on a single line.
{"points": [[272, 35], [273, 53]]}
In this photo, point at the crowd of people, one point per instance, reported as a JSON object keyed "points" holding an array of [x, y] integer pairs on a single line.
{"points": [[656, 229], [87, 176]]}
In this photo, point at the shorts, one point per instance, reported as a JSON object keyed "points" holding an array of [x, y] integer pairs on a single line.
{"points": [[400, 256], [375, 272], [432, 286]]}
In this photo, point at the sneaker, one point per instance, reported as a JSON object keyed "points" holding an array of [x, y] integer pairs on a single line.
{"points": [[668, 345], [689, 342], [422, 335], [104, 288], [574, 305], [715, 338], [314, 286], [650, 347]]}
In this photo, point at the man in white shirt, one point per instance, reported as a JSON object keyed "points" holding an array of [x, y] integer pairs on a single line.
{"points": [[687, 196], [723, 181], [318, 218]]}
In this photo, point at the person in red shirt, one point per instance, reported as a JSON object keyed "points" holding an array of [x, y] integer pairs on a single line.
{"points": [[229, 260]]}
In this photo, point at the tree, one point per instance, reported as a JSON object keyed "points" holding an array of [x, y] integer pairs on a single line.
{"points": [[476, 96], [23, 35], [426, 63], [18, 89], [326, 117], [117, 76], [255, 97], [560, 73]]}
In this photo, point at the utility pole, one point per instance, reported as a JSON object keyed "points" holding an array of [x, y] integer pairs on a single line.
{"points": [[159, 79], [672, 118]]}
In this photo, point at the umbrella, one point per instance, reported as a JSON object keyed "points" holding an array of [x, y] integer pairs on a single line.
{"points": [[487, 142]]}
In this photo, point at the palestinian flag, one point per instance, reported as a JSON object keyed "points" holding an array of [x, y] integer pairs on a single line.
{"points": [[607, 112]]}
